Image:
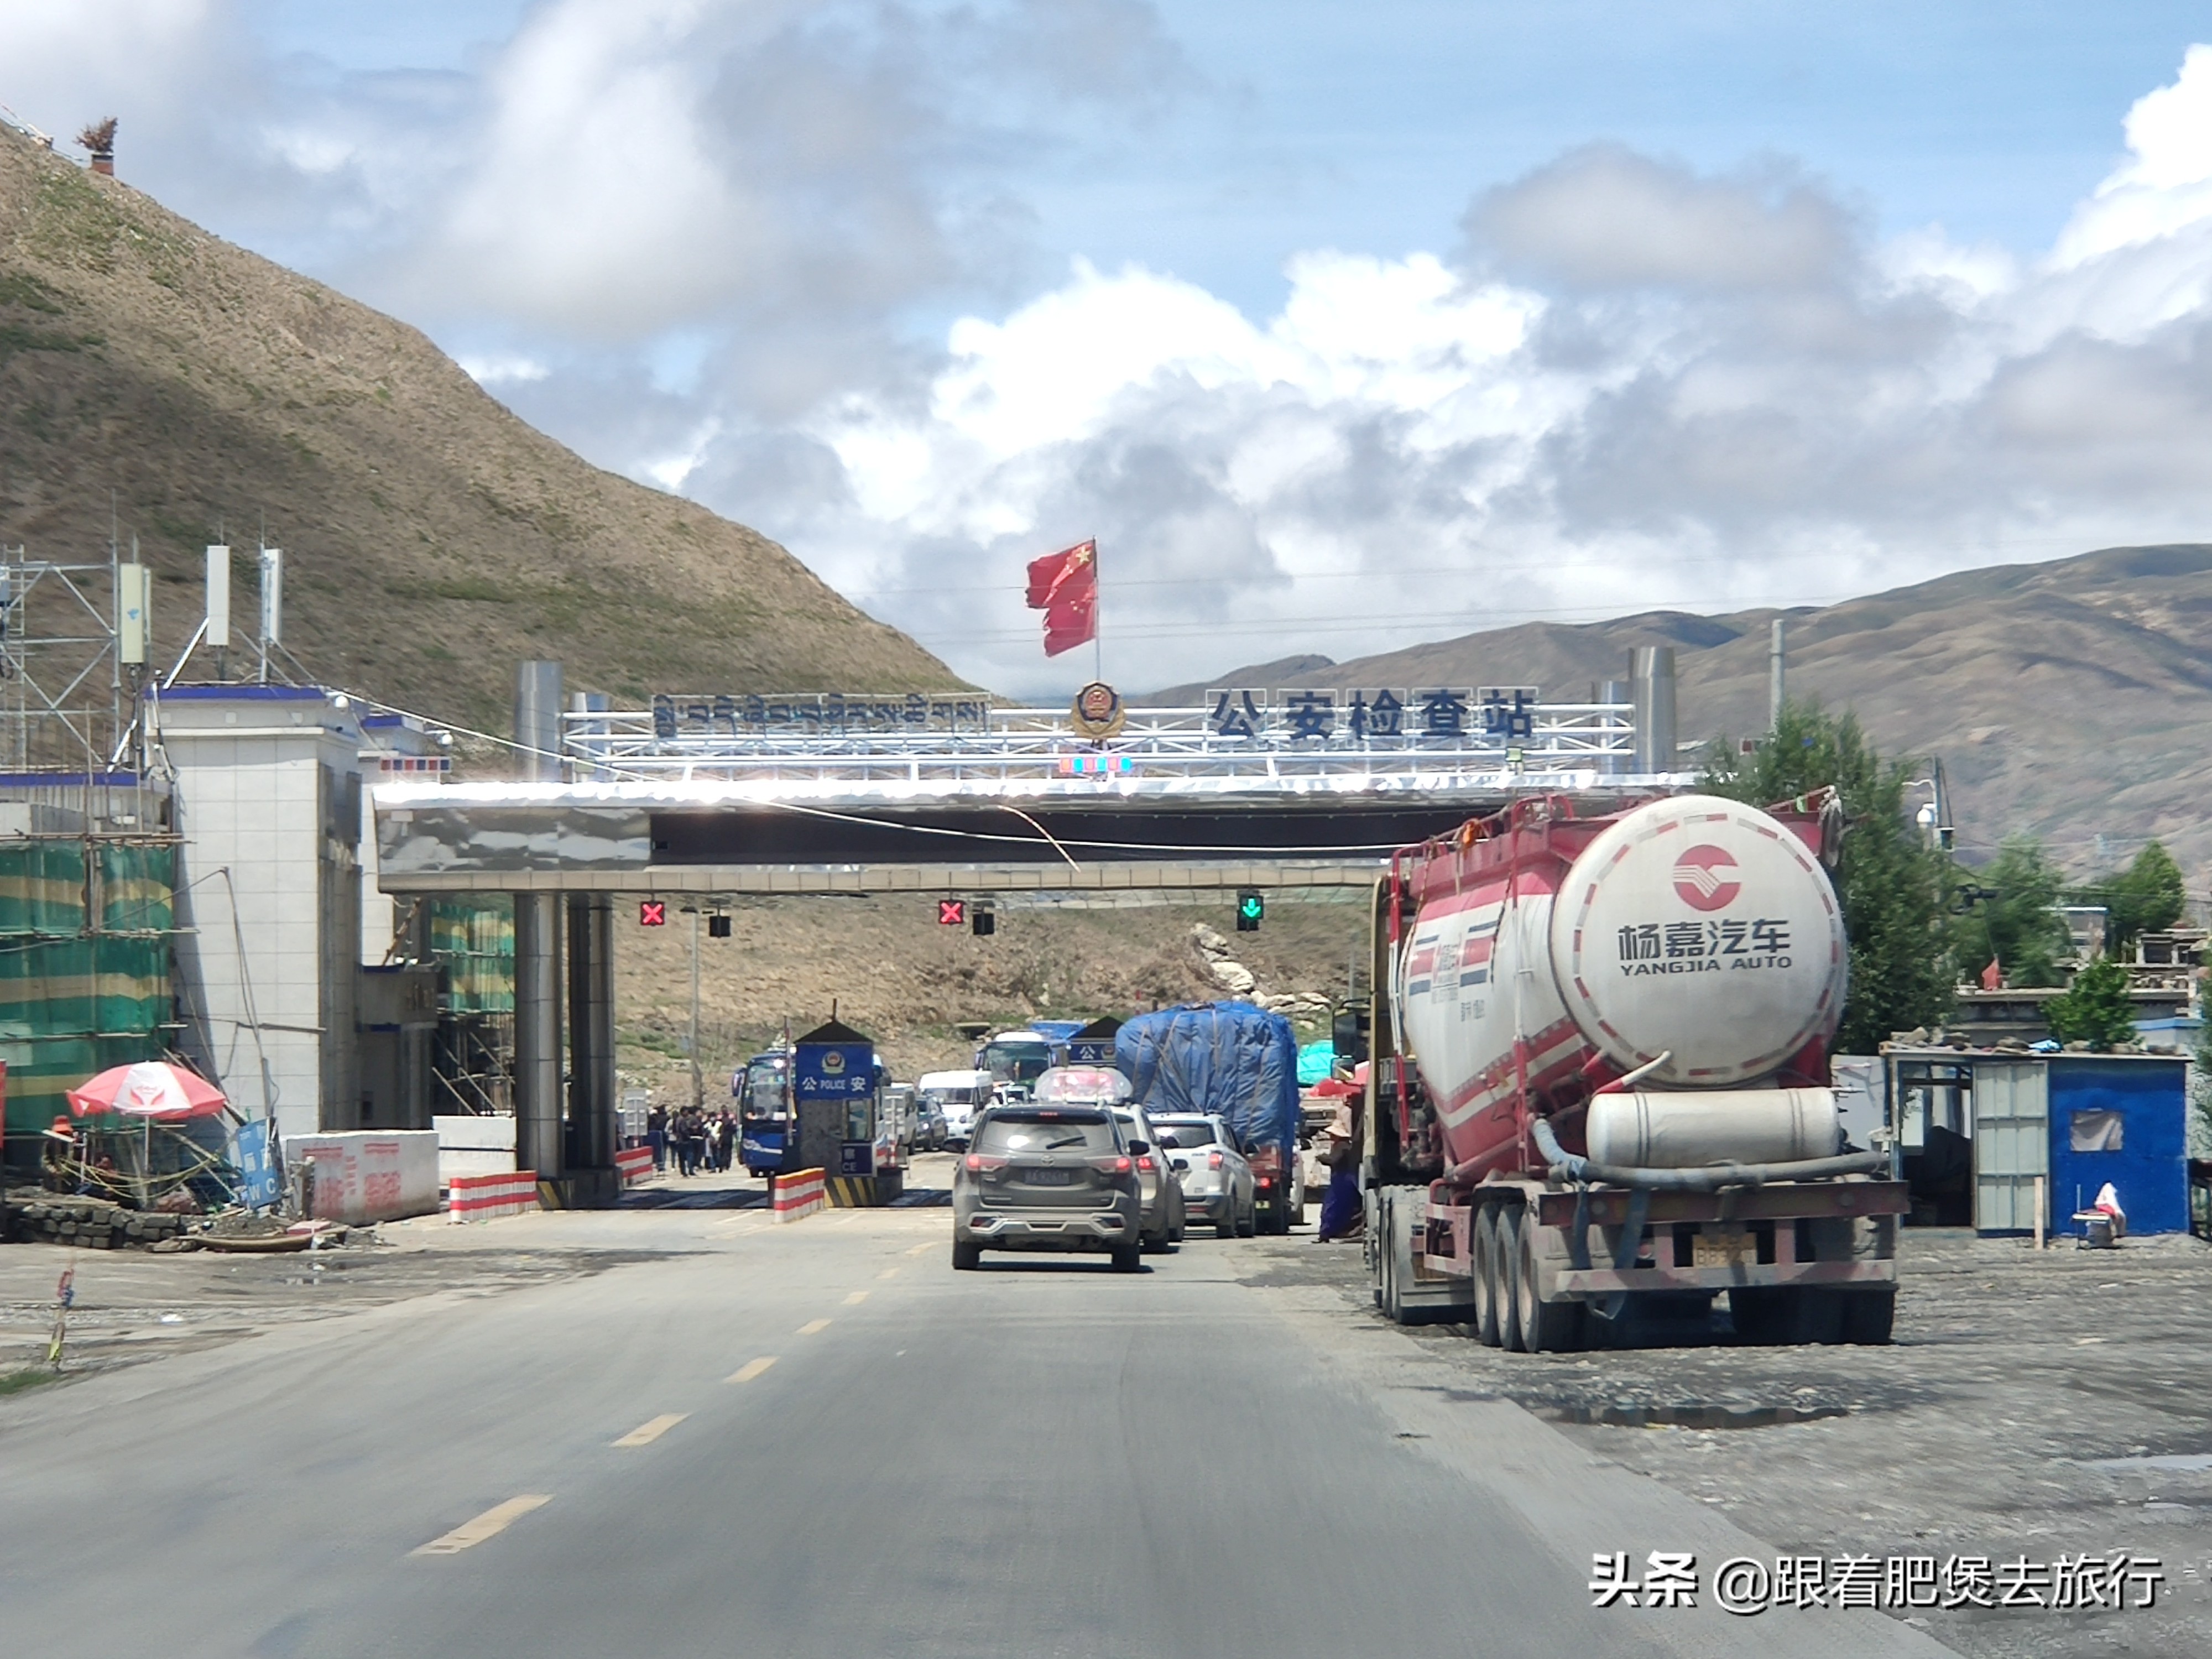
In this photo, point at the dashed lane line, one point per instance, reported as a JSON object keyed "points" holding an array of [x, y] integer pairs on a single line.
{"points": [[645, 1433], [889, 1273], [921, 1249], [492, 1522], [813, 1327], [855, 1298], [751, 1369]]}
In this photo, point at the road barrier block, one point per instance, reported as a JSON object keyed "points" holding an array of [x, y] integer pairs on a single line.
{"points": [[799, 1193], [635, 1163], [488, 1197], [854, 1192]]}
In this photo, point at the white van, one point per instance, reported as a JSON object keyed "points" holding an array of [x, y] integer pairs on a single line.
{"points": [[959, 1095]]}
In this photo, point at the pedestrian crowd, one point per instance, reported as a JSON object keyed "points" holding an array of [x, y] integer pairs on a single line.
{"points": [[695, 1140]]}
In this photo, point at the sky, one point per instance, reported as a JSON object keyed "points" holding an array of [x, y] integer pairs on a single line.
{"points": [[1337, 327]]}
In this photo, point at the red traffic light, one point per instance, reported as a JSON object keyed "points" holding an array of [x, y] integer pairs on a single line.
{"points": [[952, 913], [653, 913]]}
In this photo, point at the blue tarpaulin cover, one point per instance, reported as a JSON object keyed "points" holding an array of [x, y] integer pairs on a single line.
{"points": [[1225, 1057], [1316, 1063]]}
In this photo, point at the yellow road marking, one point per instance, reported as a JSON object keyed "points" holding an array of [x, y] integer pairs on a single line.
{"points": [[492, 1522], [855, 1299], [751, 1369], [889, 1273], [921, 1249], [812, 1326], [645, 1433]]}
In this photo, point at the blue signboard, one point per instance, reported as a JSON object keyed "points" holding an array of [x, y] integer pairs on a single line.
{"points": [[824, 1071], [258, 1181], [856, 1157], [1092, 1051]]}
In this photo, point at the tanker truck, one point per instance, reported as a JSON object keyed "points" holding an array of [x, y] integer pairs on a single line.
{"points": [[1598, 1096]]}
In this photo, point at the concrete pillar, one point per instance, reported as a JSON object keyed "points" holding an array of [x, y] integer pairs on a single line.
{"points": [[538, 721], [1651, 683], [537, 1127], [540, 1142], [592, 1104]]}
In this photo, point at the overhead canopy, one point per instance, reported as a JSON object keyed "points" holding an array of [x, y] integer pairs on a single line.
{"points": [[150, 1088]]}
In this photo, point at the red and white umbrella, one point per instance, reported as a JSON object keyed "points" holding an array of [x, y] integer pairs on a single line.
{"points": [[150, 1089]]}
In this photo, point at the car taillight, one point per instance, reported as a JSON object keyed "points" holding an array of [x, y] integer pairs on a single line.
{"points": [[1146, 1164], [1266, 1181], [1213, 1160], [1116, 1166], [979, 1162]]}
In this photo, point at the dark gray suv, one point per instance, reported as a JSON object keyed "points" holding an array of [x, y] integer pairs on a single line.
{"points": [[1047, 1178]]}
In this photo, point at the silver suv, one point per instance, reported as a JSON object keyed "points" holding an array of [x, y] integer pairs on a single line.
{"points": [[1046, 1178]]}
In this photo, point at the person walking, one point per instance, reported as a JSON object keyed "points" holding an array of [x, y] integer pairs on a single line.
{"points": [[656, 1136]]}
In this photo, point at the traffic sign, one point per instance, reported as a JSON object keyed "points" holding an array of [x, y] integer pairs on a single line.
{"points": [[952, 913], [653, 913]]}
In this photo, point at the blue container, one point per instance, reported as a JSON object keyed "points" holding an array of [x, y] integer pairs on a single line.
{"points": [[2124, 1120]]}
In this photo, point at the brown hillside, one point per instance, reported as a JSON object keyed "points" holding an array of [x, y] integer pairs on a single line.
{"points": [[2071, 699], [432, 539]]}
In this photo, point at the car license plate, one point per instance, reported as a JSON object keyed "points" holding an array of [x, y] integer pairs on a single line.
{"points": [[1717, 1249], [1050, 1177]]}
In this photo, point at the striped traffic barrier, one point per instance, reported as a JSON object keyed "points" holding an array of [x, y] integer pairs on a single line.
{"points": [[853, 1192], [634, 1163], [798, 1194], [488, 1197]]}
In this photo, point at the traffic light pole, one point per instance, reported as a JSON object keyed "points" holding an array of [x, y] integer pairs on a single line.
{"points": [[698, 1076]]}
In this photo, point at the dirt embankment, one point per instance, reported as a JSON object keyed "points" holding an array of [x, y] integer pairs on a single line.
{"points": [[896, 974]]}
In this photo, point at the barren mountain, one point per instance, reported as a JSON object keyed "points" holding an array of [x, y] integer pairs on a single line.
{"points": [[431, 539], [2071, 699]]}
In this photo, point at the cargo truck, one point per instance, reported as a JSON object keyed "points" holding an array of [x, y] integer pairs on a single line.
{"points": [[1598, 1087], [1234, 1061]]}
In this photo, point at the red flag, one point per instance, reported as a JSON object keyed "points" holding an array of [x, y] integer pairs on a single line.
{"points": [[1065, 587]]}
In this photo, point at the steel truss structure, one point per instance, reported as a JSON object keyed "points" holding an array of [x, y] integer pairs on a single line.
{"points": [[1155, 745]]}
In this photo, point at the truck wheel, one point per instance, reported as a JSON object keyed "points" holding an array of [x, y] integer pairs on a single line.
{"points": [[1127, 1258], [1505, 1250], [1485, 1274], [1868, 1316], [967, 1255], [1386, 1260], [1546, 1327]]}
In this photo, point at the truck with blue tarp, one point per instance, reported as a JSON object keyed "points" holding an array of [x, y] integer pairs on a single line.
{"points": [[1234, 1060]]}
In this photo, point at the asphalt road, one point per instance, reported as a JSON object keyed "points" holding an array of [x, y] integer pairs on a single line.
{"points": [[818, 1439]]}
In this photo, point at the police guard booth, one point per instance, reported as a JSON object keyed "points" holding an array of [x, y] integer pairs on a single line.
{"points": [[834, 1094], [1093, 1045]]}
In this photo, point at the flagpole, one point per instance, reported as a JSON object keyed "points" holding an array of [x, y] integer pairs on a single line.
{"points": [[1097, 606]]}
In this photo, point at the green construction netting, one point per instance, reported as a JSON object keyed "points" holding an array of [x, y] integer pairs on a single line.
{"points": [[74, 1002], [473, 939]]}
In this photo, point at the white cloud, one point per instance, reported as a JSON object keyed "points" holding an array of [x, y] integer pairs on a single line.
{"points": [[1640, 386]]}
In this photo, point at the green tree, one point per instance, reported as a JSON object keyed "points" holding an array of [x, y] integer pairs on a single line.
{"points": [[2146, 897], [1892, 886], [2095, 1009], [2018, 921]]}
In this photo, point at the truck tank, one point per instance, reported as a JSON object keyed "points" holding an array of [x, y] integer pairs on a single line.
{"points": [[1692, 945]]}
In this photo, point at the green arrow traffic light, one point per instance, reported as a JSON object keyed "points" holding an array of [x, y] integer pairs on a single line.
{"points": [[1250, 907]]}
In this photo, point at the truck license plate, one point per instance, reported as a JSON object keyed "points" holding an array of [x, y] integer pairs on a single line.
{"points": [[1712, 1249]]}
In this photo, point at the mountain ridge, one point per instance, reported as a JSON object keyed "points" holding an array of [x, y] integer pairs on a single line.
{"points": [[433, 538], [2066, 698]]}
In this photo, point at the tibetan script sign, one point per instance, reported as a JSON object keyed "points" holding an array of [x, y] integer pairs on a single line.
{"points": [[816, 714], [1478, 716]]}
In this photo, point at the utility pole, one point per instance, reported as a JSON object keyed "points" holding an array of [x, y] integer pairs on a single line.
{"points": [[698, 1077], [1774, 678]]}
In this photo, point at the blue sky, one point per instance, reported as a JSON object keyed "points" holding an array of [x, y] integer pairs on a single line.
{"points": [[1482, 312]]}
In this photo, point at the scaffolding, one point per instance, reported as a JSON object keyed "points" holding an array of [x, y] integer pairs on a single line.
{"points": [[68, 700], [472, 1055]]}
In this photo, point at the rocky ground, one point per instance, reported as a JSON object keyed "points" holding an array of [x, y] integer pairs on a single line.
{"points": [[2031, 1406]]}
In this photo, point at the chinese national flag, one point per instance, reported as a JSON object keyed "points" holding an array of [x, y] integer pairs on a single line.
{"points": [[1065, 587]]}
